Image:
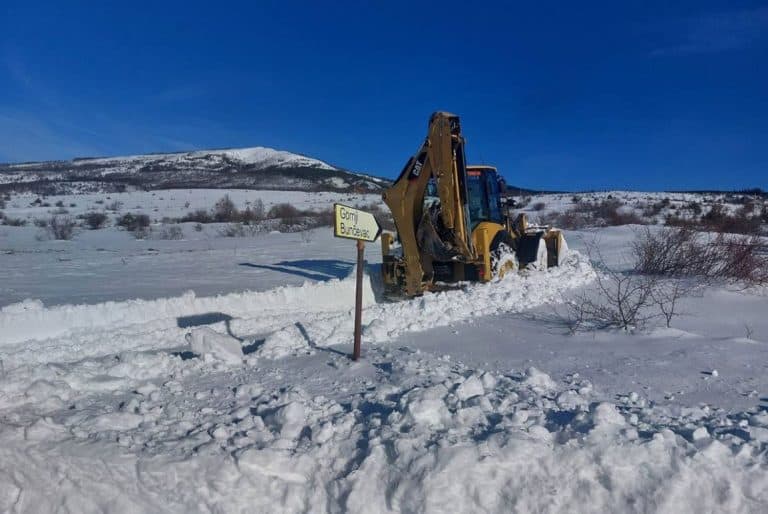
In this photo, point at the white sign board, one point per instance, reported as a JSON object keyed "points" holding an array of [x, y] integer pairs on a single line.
{"points": [[352, 223]]}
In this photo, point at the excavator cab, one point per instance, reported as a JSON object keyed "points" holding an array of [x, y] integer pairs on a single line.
{"points": [[483, 195]]}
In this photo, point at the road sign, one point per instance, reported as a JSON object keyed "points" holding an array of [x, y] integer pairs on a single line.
{"points": [[352, 223]]}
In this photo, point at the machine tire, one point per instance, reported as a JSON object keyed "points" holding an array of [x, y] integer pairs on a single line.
{"points": [[503, 254]]}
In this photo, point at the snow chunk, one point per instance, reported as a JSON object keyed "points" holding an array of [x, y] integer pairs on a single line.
{"points": [[283, 343], [204, 341], [291, 419], [426, 407], [700, 434], [606, 418], [470, 388], [538, 380]]}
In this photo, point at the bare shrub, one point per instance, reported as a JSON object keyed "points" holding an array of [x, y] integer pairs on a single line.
{"points": [[622, 302], [225, 210], [61, 227], [626, 299], [60, 211], [60, 203], [254, 212], [198, 216], [198, 227], [2, 203], [667, 294], [284, 211], [170, 232], [40, 222], [133, 222], [538, 206], [95, 220], [683, 252]]}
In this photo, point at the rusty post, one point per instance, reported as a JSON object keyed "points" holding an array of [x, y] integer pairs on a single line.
{"points": [[358, 299]]}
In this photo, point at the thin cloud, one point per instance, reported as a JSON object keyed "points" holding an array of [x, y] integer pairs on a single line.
{"points": [[716, 32]]}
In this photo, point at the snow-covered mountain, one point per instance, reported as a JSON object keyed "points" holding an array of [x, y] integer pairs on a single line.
{"points": [[253, 168]]}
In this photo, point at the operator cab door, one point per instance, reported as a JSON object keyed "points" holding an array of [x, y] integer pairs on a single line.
{"points": [[484, 197]]}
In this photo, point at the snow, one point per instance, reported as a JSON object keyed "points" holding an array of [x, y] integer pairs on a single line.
{"points": [[242, 398]]}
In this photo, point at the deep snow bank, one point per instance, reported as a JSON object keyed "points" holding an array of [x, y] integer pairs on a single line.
{"points": [[31, 320]]}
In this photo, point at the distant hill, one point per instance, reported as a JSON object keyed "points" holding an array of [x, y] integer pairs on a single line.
{"points": [[247, 168]]}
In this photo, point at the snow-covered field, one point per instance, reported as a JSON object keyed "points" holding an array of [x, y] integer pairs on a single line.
{"points": [[122, 392]]}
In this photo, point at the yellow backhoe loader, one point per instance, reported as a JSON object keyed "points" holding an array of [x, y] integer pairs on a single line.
{"points": [[451, 224]]}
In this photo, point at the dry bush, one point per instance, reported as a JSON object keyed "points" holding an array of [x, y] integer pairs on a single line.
{"points": [[198, 216], [134, 222], [40, 222], [626, 300], [95, 220], [622, 299], [61, 227], [538, 206], [683, 252], [284, 211], [254, 212], [225, 210]]}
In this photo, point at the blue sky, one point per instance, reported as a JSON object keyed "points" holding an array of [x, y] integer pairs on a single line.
{"points": [[559, 95]]}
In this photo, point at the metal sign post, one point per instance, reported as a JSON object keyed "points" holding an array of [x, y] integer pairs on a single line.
{"points": [[351, 223]]}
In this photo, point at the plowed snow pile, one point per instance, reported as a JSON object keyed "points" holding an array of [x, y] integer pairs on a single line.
{"points": [[138, 407]]}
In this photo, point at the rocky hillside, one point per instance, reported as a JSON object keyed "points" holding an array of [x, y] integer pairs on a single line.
{"points": [[251, 168]]}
